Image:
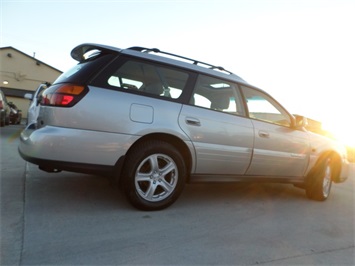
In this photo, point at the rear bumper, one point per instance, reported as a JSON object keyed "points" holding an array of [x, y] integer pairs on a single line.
{"points": [[58, 166], [55, 149]]}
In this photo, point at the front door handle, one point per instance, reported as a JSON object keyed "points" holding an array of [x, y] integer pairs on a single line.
{"points": [[264, 134], [295, 155]]}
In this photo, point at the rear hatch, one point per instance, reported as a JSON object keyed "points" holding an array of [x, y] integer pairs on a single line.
{"points": [[72, 86]]}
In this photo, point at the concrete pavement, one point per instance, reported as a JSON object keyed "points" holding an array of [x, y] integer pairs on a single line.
{"points": [[74, 219], [12, 188]]}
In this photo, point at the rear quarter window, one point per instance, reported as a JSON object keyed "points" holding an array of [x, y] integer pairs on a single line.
{"points": [[144, 77]]}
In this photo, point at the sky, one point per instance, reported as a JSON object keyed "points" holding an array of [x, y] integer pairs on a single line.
{"points": [[302, 52]]}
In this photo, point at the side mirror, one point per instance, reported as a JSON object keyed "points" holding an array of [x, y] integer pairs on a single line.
{"points": [[28, 96], [300, 121]]}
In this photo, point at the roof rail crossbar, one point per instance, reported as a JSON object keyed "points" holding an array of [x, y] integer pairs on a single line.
{"points": [[195, 62]]}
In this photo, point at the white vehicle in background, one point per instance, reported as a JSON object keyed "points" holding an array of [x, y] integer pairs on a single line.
{"points": [[33, 109]]}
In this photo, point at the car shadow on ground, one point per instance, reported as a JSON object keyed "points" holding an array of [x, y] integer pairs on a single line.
{"points": [[85, 192], [72, 191], [234, 193]]}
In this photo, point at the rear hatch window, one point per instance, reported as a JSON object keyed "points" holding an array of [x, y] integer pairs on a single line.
{"points": [[83, 72]]}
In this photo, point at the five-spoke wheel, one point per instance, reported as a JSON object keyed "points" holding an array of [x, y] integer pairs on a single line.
{"points": [[154, 175]]}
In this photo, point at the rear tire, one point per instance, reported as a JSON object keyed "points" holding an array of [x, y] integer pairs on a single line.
{"points": [[319, 184], [153, 176]]}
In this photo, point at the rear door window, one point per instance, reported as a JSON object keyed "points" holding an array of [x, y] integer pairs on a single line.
{"points": [[216, 94]]}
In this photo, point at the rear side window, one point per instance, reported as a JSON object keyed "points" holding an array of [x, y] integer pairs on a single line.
{"points": [[147, 78]]}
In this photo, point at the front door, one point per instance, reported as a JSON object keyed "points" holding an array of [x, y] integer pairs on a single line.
{"points": [[279, 149]]}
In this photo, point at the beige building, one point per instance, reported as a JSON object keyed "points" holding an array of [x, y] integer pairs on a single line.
{"points": [[20, 74]]}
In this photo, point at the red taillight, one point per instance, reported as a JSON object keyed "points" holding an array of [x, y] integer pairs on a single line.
{"points": [[63, 95], [67, 99]]}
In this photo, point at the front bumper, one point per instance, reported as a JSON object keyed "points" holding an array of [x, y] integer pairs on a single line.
{"points": [[345, 168]]}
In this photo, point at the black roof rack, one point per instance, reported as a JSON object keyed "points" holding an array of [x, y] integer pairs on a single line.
{"points": [[195, 62]]}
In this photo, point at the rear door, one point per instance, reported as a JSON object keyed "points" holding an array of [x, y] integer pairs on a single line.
{"points": [[214, 121], [279, 149]]}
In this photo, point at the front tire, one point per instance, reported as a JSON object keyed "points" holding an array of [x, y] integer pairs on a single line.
{"points": [[154, 175], [319, 185]]}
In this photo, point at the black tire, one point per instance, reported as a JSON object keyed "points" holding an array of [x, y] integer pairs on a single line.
{"points": [[153, 176], [319, 184], [7, 121]]}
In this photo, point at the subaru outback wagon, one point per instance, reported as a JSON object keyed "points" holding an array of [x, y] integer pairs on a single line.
{"points": [[156, 121]]}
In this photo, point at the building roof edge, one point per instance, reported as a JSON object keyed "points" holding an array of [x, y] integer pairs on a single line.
{"points": [[31, 57]]}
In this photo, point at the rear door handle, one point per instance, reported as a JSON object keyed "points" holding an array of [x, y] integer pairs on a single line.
{"points": [[264, 134], [193, 121]]}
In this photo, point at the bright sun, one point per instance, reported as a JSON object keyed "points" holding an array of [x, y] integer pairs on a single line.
{"points": [[342, 131]]}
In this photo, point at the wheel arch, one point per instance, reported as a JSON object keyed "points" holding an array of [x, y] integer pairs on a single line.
{"points": [[178, 143], [335, 159]]}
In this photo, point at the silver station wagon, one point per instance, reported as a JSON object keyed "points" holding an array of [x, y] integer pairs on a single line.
{"points": [[155, 121]]}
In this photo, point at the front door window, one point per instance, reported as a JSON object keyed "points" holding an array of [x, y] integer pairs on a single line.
{"points": [[264, 108]]}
